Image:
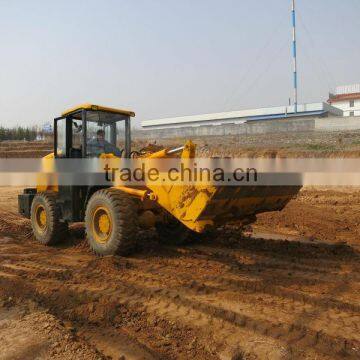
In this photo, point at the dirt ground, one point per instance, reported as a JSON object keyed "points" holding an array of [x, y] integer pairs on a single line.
{"points": [[299, 144], [286, 144], [288, 289]]}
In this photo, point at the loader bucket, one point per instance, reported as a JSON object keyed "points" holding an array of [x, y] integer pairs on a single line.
{"points": [[199, 206]]}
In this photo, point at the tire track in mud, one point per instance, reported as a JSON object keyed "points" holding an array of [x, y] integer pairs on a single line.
{"points": [[273, 283], [206, 293], [167, 303], [154, 301], [64, 298], [203, 289]]}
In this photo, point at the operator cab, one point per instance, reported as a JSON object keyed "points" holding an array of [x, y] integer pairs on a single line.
{"points": [[90, 130]]}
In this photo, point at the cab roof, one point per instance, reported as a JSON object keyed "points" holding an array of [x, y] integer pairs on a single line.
{"points": [[93, 107]]}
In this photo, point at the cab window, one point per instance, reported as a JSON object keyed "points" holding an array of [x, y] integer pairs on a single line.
{"points": [[61, 137]]}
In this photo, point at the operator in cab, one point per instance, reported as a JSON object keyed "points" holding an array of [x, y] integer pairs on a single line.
{"points": [[99, 146]]}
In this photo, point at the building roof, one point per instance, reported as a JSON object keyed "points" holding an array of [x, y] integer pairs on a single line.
{"points": [[347, 89], [343, 97], [238, 117], [93, 107]]}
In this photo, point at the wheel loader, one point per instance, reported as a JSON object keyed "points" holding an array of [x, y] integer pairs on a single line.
{"points": [[113, 215]]}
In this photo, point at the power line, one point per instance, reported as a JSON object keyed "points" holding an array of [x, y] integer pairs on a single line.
{"points": [[266, 69], [320, 60], [260, 55], [317, 74]]}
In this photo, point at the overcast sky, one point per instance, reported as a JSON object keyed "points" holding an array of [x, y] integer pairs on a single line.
{"points": [[165, 58]]}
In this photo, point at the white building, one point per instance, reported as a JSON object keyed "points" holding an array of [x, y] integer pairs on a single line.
{"points": [[347, 98], [47, 128], [243, 116]]}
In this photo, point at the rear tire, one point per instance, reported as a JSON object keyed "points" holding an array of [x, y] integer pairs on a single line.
{"points": [[45, 219], [111, 222]]}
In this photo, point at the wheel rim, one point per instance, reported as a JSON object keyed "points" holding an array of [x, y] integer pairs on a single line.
{"points": [[101, 225], [40, 218]]}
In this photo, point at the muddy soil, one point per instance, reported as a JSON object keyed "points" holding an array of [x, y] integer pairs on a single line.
{"points": [[300, 144], [287, 289], [25, 149], [291, 144]]}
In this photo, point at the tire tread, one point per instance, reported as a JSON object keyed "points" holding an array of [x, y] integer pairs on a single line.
{"points": [[57, 229], [124, 211]]}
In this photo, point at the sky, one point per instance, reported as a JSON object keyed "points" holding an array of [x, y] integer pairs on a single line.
{"points": [[164, 58]]}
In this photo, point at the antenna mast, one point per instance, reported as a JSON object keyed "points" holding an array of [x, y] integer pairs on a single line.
{"points": [[293, 15]]}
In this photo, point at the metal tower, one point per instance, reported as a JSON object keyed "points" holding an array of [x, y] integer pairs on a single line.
{"points": [[293, 16]]}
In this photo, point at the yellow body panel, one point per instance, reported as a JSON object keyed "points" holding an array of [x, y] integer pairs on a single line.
{"points": [[47, 180], [93, 107]]}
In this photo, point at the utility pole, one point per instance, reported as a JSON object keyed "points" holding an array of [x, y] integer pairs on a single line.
{"points": [[293, 16]]}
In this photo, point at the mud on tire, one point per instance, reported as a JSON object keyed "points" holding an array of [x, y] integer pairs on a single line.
{"points": [[45, 217], [111, 222]]}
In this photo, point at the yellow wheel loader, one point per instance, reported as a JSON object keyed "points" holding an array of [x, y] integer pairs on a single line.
{"points": [[113, 214]]}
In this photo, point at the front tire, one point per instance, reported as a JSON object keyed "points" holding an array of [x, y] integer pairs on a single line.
{"points": [[45, 218], [111, 222]]}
